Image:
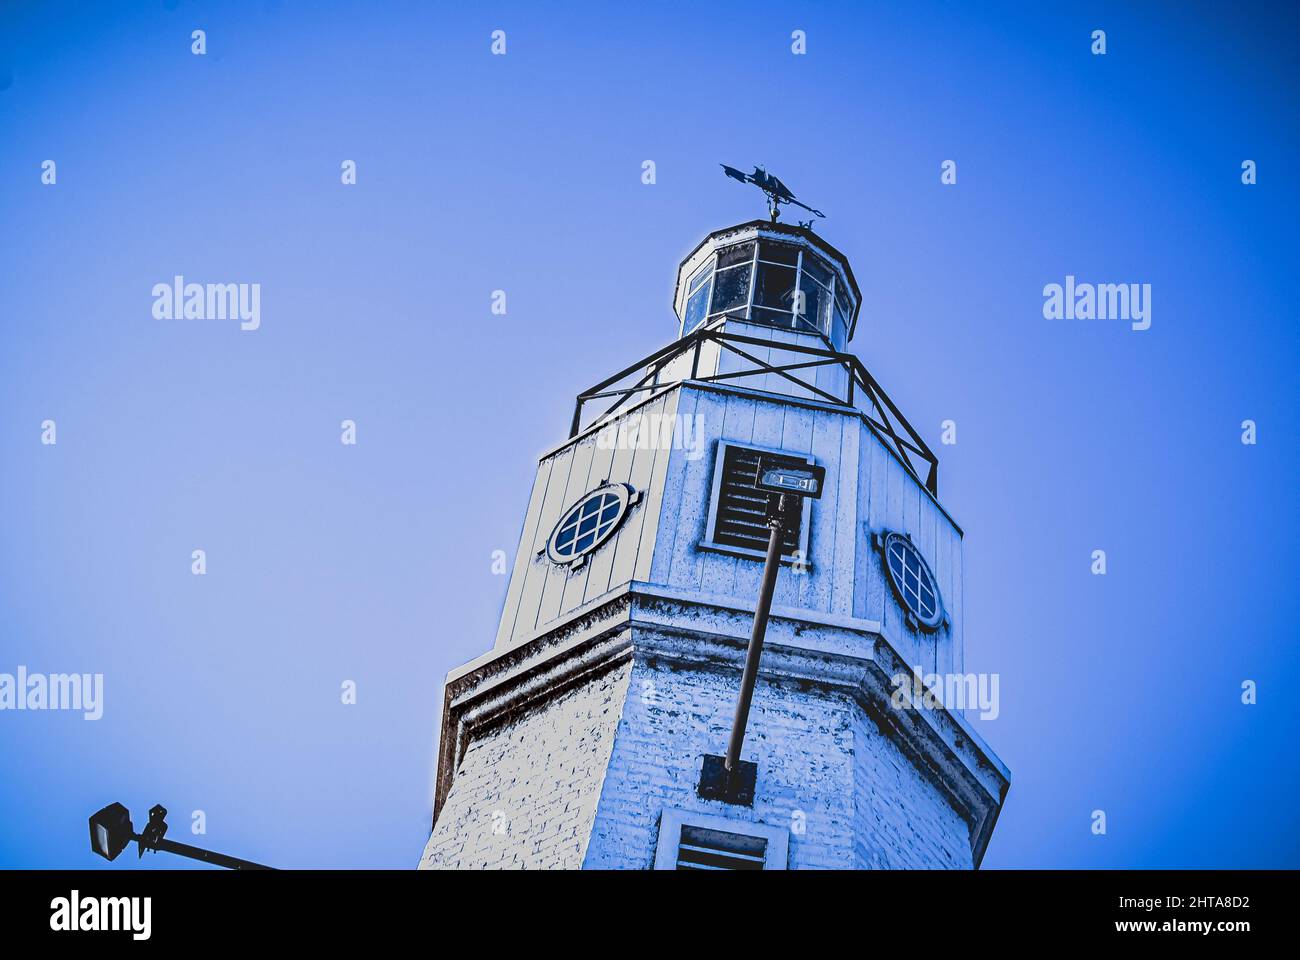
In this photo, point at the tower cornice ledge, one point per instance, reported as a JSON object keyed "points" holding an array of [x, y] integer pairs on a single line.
{"points": [[646, 622]]}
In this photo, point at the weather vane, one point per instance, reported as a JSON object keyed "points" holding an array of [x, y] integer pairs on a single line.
{"points": [[777, 192]]}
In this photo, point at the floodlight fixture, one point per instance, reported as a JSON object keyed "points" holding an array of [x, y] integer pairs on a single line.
{"points": [[804, 481], [111, 832]]}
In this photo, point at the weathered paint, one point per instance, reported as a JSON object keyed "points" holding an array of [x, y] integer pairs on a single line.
{"points": [[610, 680], [568, 750], [867, 491]]}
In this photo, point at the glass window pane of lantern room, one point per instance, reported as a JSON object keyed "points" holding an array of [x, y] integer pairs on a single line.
{"points": [[730, 289], [774, 287], [819, 271], [815, 301], [739, 253], [700, 276], [842, 307], [695, 308], [774, 252]]}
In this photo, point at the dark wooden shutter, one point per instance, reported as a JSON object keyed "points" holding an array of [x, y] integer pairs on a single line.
{"points": [[741, 509]]}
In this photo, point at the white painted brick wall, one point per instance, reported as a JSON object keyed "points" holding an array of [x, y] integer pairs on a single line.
{"points": [[541, 776], [581, 781], [901, 820], [864, 803]]}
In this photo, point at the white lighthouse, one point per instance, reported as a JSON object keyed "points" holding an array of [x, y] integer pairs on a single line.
{"points": [[579, 739]]}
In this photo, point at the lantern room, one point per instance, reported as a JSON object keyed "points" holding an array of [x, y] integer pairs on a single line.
{"points": [[769, 276]]}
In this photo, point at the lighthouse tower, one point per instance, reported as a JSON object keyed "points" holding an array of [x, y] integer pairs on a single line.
{"points": [[579, 740]]}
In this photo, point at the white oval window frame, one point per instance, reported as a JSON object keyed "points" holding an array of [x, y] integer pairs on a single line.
{"points": [[932, 624], [628, 498]]}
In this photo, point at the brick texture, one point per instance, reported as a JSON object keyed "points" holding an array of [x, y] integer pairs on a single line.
{"points": [[525, 792], [848, 795], [582, 780], [901, 820]]}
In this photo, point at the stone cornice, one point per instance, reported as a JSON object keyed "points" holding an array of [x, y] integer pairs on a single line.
{"points": [[643, 621]]}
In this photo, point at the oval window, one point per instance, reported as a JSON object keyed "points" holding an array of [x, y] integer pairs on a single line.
{"points": [[589, 522], [912, 581]]}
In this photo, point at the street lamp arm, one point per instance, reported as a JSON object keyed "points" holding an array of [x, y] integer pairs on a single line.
{"points": [[755, 650], [111, 832], [207, 856]]}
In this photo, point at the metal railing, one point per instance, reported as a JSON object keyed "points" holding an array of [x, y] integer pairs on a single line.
{"points": [[879, 411]]}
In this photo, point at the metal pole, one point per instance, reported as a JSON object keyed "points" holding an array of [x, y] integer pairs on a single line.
{"points": [[207, 856], [770, 568]]}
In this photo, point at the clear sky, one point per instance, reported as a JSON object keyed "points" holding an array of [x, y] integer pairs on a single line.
{"points": [[372, 563]]}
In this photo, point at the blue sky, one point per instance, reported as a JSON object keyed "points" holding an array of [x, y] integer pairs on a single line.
{"points": [[523, 173]]}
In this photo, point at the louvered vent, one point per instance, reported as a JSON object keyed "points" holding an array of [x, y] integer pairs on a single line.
{"points": [[741, 508], [703, 849]]}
